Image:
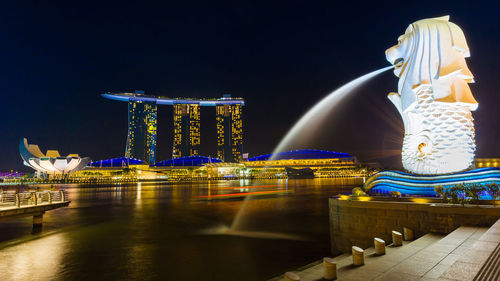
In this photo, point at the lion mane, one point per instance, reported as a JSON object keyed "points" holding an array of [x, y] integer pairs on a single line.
{"points": [[433, 52]]}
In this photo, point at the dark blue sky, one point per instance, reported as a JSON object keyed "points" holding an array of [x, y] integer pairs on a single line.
{"points": [[282, 57]]}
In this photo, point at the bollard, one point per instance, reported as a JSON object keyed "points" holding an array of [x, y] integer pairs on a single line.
{"points": [[397, 238], [330, 269], [379, 246], [62, 195], [408, 234], [358, 256], [290, 276]]}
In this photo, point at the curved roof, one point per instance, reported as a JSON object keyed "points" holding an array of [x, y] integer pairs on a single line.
{"points": [[302, 154], [171, 101], [187, 161], [115, 162], [51, 162]]}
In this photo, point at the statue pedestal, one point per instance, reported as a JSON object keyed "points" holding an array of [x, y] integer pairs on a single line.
{"points": [[386, 182]]}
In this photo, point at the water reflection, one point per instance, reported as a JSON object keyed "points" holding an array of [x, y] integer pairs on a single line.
{"points": [[153, 231], [41, 258]]}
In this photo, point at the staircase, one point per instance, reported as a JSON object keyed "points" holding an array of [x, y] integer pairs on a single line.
{"points": [[460, 255]]}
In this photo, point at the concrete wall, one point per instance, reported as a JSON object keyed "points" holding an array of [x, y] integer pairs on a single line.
{"points": [[358, 222]]}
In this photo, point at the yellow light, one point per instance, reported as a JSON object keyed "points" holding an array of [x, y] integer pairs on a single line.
{"points": [[364, 198], [420, 200]]}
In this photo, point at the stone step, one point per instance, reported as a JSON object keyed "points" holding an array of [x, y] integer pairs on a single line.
{"points": [[430, 262], [456, 256], [374, 265], [480, 261], [491, 268]]}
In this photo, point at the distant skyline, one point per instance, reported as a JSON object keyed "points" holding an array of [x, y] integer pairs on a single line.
{"points": [[280, 56]]}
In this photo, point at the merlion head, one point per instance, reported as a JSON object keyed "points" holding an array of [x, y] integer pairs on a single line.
{"points": [[432, 52]]}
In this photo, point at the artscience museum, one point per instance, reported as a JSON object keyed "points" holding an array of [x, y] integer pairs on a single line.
{"points": [[51, 163]]}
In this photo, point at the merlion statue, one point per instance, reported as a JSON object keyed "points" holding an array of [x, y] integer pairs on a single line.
{"points": [[434, 98]]}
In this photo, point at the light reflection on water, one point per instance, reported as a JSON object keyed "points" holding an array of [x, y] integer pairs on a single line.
{"points": [[150, 231], [39, 259]]}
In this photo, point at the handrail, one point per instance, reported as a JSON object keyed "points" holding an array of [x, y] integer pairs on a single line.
{"points": [[11, 199]]}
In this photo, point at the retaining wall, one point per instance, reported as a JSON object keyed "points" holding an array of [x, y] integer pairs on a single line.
{"points": [[356, 223]]}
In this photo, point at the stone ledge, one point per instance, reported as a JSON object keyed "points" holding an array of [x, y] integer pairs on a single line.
{"points": [[357, 222]]}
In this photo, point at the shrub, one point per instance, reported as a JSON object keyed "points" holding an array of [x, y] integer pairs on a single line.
{"points": [[452, 193], [440, 192], [493, 190], [474, 191], [358, 192], [463, 192], [467, 193]]}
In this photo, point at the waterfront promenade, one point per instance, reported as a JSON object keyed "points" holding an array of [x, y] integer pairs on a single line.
{"points": [[24, 204]]}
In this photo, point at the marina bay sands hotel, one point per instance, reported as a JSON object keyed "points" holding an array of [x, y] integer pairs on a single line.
{"points": [[142, 125]]}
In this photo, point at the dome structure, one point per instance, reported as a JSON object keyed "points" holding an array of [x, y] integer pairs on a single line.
{"points": [[121, 162], [51, 163], [187, 161], [301, 154]]}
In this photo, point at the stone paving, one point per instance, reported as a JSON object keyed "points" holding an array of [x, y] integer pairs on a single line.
{"points": [[475, 259], [457, 256]]}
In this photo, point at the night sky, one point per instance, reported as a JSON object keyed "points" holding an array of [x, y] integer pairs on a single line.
{"points": [[282, 57]]}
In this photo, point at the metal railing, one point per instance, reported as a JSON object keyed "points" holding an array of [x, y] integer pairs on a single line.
{"points": [[22, 199]]}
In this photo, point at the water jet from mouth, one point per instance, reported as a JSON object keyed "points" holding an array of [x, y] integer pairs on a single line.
{"points": [[306, 126]]}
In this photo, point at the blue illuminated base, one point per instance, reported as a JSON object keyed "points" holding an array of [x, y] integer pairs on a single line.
{"points": [[423, 185]]}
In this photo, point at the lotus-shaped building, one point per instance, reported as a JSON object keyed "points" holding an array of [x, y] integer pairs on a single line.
{"points": [[51, 163]]}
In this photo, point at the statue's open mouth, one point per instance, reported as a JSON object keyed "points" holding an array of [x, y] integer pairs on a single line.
{"points": [[398, 62]]}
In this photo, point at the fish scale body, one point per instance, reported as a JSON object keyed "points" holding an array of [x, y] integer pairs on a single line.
{"points": [[444, 142]]}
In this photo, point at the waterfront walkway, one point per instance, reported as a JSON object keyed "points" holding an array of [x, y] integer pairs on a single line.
{"points": [[22, 204], [461, 255]]}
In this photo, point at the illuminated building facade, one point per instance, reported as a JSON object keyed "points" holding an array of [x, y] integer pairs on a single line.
{"points": [[142, 126], [303, 158], [323, 163], [141, 139], [229, 132], [186, 130]]}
